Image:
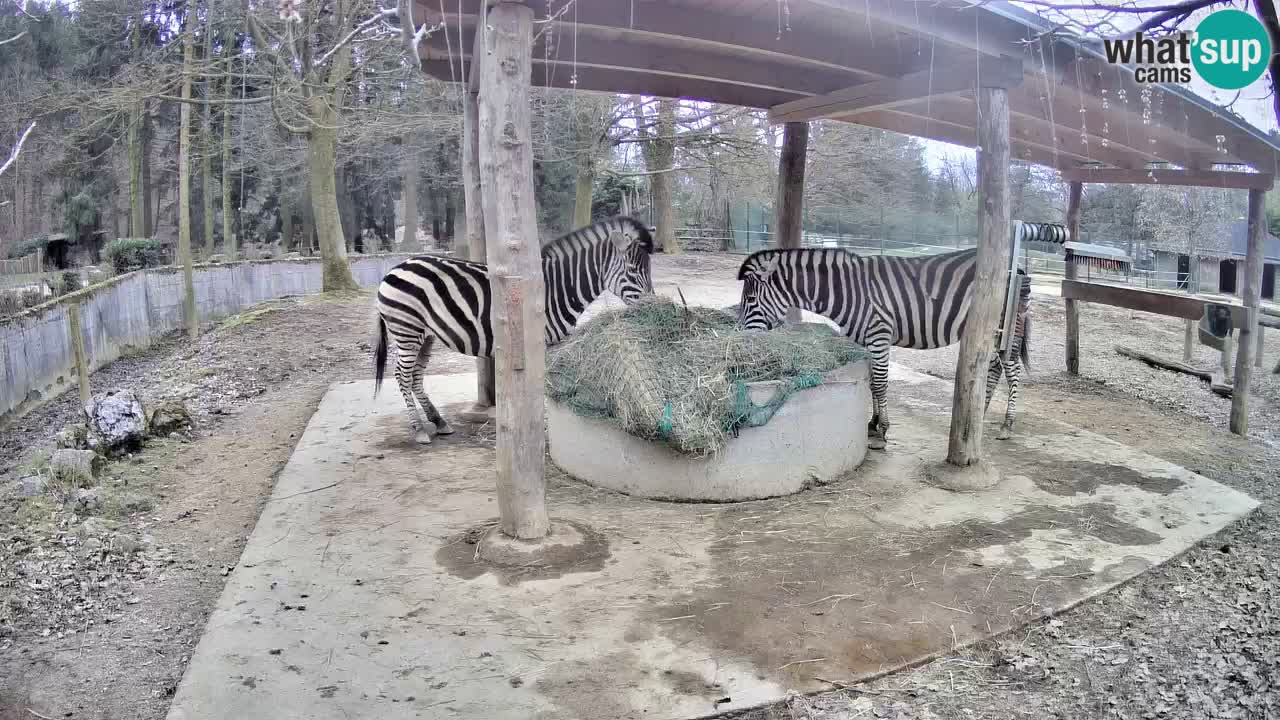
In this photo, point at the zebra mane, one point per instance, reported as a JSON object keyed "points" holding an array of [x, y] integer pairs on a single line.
{"points": [[759, 254], [600, 230]]}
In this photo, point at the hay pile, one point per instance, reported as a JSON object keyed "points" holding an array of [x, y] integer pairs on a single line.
{"points": [[678, 375]]}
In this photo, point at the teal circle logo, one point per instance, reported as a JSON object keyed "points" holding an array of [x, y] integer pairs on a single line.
{"points": [[1232, 49]]}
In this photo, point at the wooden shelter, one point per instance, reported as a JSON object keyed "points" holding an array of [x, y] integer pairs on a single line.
{"points": [[989, 76]]}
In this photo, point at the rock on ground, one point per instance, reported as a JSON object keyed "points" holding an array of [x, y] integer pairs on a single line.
{"points": [[78, 468], [74, 436], [117, 422], [168, 416]]}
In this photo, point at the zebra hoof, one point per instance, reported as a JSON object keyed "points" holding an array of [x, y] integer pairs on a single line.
{"points": [[876, 443], [1005, 433], [422, 437], [444, 428]]}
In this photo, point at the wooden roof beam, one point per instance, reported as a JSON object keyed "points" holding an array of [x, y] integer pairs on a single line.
{"points": [[629, 54], [892, 92], [954, 25], [656, 84], [963, 135], [1193, 178], [691, 26]]}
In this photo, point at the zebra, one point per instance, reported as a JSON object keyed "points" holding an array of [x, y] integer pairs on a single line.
{"points": [[882, 301], [432, 297]]}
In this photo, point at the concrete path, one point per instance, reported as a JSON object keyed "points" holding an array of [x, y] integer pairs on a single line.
{"points": [[359, 594]]}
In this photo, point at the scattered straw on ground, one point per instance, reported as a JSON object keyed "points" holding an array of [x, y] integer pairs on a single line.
{"points": [[678, 374]]}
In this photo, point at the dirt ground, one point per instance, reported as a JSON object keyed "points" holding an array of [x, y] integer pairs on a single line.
{"points": [[99, 614]]}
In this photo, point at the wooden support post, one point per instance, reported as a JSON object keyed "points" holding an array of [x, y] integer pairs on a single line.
{"points": [[76, 333], [473, 199], [515, 268], [1188, 339], [1252, 298], [1257, 358], [789, 206], [1075, 197], [978, 340]]}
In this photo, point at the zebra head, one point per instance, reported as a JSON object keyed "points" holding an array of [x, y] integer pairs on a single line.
{"points": [[765, 294], [627, 273]]}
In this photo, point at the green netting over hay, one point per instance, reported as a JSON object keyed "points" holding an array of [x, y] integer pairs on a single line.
{"points": [[679, 375]]}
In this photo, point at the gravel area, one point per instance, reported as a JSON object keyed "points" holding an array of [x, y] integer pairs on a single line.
{"points": [[106, 633]]}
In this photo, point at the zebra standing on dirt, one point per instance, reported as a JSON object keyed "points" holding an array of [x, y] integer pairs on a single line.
{"points": [[881, 301], [432, 297]]}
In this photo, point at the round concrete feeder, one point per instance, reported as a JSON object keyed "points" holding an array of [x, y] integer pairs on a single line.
{"points": [[816, 436]]}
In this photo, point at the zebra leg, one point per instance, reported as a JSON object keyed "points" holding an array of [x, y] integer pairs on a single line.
{"points": [[407, 350], [878, 428], [1012, 373], [420, 392]]}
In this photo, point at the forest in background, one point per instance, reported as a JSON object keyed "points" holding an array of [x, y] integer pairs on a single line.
{"points": [[303, 126]]}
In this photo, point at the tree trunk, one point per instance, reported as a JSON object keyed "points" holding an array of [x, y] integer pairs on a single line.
{"points": [[137, 193], [515, 269], [583, 187], [184, 185], [789, 206], [228, 232], [448, 215], [411, 163], [346, 209], [435, 215], [148, 215], [1251, 298], [664, 155], [286, 227], [473, 206], [1075, 198], [990, 281], [322, 171], [206, 139]]}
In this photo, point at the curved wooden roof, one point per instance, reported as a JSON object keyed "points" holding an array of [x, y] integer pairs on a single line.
{"points": [[910, 67]]}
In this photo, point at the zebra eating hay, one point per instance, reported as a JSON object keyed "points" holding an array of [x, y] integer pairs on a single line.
{"points": [[881, 301], [431, 297]]}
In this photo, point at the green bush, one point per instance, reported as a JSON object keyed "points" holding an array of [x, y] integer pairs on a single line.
{"points": [[69, 282], [127, 254]]}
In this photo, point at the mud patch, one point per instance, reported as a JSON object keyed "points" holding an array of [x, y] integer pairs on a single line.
{"points": [[1065, 478], [459, 557], [810, 599]]}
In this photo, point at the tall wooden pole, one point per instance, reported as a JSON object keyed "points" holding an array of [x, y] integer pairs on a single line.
{"points": [[978, 340], [1252, 298], [473, 199], [789, 205], [82, 357], [515, 267], [1075, 198]]}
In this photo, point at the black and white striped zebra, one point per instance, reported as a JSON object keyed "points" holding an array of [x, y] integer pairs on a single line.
{"points": [[431, 297], [882, 301]]}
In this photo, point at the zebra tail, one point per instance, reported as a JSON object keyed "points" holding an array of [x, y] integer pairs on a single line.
{"points": [[1024, 350], [379, 355]]}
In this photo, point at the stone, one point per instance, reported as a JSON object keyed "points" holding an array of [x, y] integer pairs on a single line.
{"points": [[88, 500], [31, 485], [74, 436], [78, 468], [217, 258], [169, 416], [117, 422]]}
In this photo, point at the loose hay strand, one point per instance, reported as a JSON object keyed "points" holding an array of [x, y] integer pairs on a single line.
{"points": [[678, 374]]}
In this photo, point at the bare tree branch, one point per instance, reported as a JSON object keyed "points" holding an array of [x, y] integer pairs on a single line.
{"points": [[15, 38], [13, 156]]}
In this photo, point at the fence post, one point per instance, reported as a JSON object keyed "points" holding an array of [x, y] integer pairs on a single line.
{"points": [[77, 346]]}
